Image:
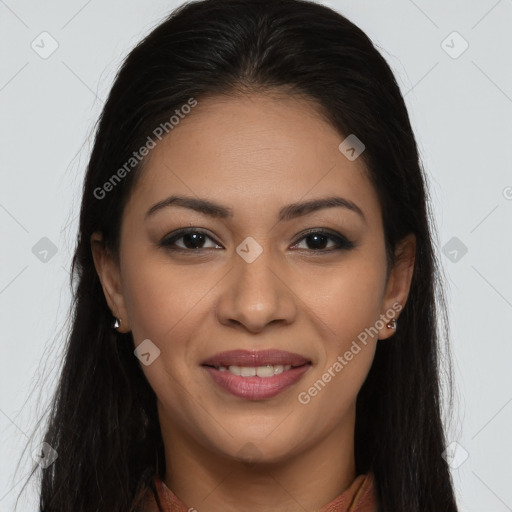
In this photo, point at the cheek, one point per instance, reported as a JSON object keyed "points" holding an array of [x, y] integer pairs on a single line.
{"points": [[161, 301], [332, 392], [167, 306], [346, 303], [347, 299]]}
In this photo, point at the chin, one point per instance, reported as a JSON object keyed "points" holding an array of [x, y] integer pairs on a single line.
{"points": [[263, 452]]}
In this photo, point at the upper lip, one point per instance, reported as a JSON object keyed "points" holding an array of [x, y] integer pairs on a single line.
{"points": [[254, 358]]}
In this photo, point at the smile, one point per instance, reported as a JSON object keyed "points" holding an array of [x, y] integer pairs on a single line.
{"points": [[255, 375], [251, 371]]}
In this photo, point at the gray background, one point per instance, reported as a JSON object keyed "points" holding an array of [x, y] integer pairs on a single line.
{"points": [[460, 105]]}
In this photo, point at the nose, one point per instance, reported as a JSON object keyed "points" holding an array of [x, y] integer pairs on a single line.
{"points": [[256, 294]]}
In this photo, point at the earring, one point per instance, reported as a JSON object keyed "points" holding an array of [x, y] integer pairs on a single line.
{"points": [[392, 324], [117, 323]]}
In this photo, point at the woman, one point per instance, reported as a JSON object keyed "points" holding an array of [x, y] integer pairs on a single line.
{"points": [[255, 325]]}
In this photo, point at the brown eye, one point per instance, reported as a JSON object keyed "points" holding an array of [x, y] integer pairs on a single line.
{"points": [[193, 239], [318, 240]]}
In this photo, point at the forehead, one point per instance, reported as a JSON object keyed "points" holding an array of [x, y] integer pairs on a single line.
{"points": [[256, 132], [253, 149]]}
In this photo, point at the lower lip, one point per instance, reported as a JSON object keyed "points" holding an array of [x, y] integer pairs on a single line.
{"points": [[256, 388]]}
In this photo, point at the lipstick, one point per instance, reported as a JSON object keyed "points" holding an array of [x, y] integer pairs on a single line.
{"points": [[256, 375]]}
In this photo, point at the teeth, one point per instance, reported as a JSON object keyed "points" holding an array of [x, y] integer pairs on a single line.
{"points": [[278, 369], [247, 371], [261, 371], [265, 371]]}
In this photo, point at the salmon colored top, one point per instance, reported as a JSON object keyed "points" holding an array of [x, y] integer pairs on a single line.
{"points": [[361, 496]]}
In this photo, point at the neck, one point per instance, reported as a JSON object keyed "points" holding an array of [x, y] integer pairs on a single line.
{"points": [[309, 479]]}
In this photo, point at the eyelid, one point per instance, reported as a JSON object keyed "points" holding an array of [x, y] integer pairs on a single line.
{"points": [[179, 233], [342, 242]]}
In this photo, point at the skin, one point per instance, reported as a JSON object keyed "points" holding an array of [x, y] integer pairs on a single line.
{"points": [[255, 155]]}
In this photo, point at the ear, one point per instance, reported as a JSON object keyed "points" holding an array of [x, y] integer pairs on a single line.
{"points": [[110, 277], [399, 283]]}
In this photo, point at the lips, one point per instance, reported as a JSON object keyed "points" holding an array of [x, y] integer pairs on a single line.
{"points": [[248, 358], [256, 375]]}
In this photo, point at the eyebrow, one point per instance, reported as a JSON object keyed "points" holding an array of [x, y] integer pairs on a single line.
{"points": [[286, 213]]}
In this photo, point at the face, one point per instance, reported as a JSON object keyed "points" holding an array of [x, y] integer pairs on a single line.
{"points": [[254, 274]]}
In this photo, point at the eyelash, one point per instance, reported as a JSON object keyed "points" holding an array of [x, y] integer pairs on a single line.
{"points": [[343, 243]]}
